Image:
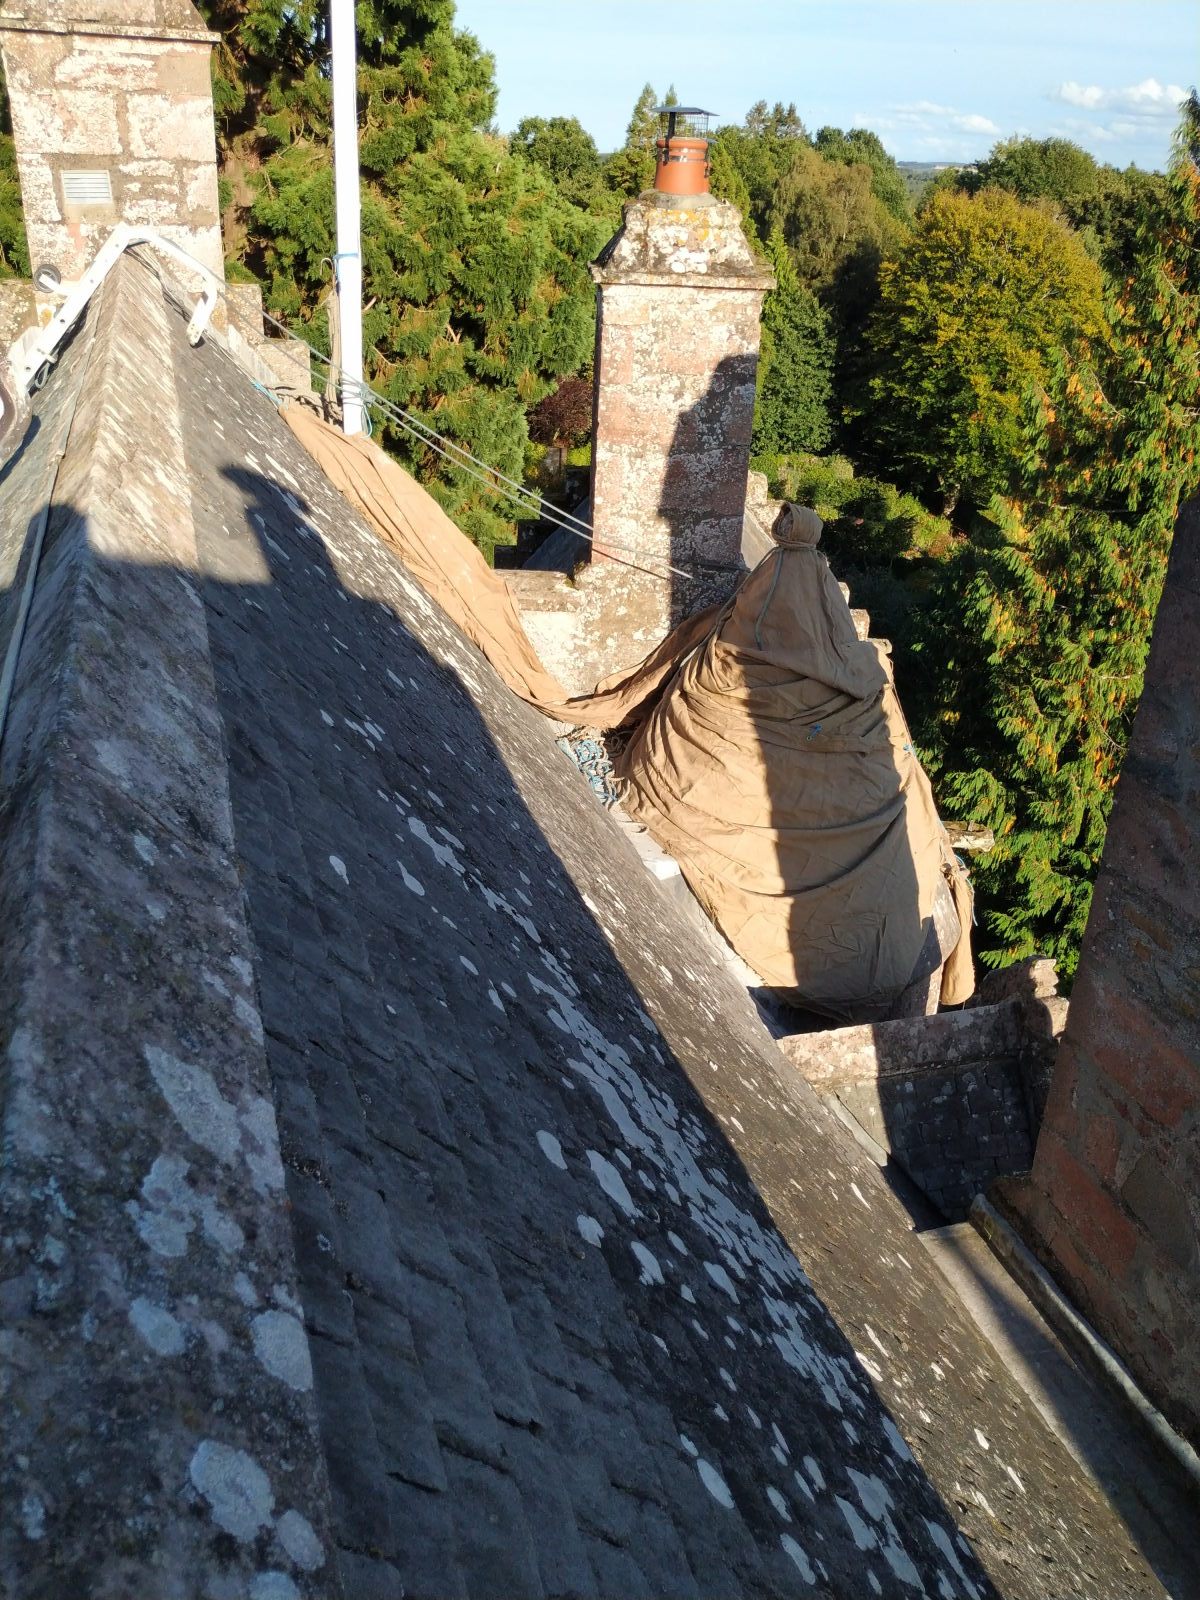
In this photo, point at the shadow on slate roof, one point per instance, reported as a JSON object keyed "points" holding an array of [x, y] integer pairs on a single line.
{"points": [[396, 1202]]}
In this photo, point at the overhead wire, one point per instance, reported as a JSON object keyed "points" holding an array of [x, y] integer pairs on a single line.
{"points": [[465, 461]]}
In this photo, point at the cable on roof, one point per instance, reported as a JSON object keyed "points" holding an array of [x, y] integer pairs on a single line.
{"points": [[458, 456]]}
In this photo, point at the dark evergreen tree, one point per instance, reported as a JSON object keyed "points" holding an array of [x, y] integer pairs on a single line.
{"points": [[14, 253], [474, 267], [1039, 641], [794, 366], [566, 152]]}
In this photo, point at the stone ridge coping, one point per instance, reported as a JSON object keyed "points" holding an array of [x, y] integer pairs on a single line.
{"points": [[19, 23], [150, 1278]]}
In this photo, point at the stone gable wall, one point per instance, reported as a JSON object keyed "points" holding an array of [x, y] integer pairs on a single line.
{"points": [[137, 108]]}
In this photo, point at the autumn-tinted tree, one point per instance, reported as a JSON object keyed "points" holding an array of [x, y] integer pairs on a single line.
{"points": [[795, 362], [860, 145], [1105, 205], [970, 312], [1040, 640], [474, 267]]}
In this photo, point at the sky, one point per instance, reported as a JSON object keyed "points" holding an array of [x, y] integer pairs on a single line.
{"points": [[937, 81]]}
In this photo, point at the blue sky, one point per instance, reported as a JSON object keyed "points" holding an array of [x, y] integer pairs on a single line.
{"points": [[937, 81]]}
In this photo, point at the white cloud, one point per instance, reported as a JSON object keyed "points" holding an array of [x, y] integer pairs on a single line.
{"points": [[927, 116], [1148, 99]]}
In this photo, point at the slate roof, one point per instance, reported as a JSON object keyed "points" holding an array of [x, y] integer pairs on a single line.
{"points": [[397, 1200]]}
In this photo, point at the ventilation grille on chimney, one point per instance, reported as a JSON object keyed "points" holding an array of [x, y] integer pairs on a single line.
{"points": [[82, 190]]}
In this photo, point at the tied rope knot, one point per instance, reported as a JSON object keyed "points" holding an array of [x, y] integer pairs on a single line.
{"points": [[796, 527]]}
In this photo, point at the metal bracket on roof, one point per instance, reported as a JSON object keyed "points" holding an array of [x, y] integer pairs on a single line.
{"points": [[37, 348]]}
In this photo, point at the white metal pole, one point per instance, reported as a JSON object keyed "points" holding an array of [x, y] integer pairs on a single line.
{"points": [[345, 181]]}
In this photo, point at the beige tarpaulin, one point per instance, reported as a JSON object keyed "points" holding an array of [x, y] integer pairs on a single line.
{"points": [[776, 767], [779, 772], [454, 573]]}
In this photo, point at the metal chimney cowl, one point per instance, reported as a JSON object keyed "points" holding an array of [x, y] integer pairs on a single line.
{"points": [[682, 149]]}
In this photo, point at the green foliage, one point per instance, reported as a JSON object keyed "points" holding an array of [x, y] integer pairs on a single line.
{"points": [[1112, 219], [566, 153], [868, 523], [14, 252], [1039, 169], [628, 171], [970, 311], [1106, 206], [474, 266], [1039, 638], [643, 124], [794, 364], [829, 216], [860, 145], [726, 182], [747, 162], [631, 169]]}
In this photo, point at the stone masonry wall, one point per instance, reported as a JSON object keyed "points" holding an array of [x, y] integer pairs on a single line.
{"points": [[674, 408], [950, 1097], [1113, 1204], [128, 98]]}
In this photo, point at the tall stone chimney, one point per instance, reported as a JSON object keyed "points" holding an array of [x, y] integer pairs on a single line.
{"points": [[679, 297], [112, 118]]}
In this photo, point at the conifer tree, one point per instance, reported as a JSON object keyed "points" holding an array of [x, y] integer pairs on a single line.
{"points": [[794, 365], [14, 253], [643, 124], [475, 280], [1044, 635]]}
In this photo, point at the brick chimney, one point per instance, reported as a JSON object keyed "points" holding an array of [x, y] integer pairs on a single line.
{"points": [[679, 297], [112, 117]]}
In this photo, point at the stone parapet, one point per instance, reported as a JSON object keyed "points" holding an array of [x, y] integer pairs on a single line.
{"points": [[18, 310], [954, 1097], [284, 362]]}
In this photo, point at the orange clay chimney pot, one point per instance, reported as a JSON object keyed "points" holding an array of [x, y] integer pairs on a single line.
{"points": [[682, 150]]}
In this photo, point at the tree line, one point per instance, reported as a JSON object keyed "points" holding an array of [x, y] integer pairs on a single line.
{"points": [[992, 394]]}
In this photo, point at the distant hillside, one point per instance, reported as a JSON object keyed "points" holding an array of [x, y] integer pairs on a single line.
{"points": [[917, 174]]}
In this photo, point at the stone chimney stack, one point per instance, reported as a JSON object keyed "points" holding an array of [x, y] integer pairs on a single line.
{"points": [[112, 118], [679, 297]]}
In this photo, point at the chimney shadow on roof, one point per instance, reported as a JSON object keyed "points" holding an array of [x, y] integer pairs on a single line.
{"points": [[703, 496], [516, 1175]]}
